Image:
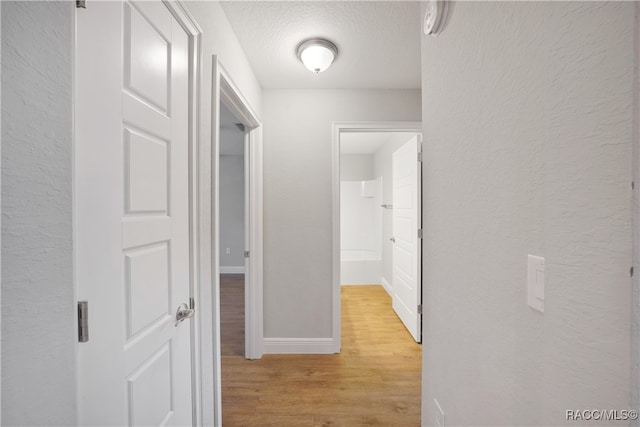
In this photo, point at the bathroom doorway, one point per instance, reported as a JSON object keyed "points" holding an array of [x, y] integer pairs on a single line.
{"points": [[366, 228]]}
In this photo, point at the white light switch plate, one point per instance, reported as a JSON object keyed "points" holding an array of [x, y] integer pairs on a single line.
{"points": [[535, 282]]}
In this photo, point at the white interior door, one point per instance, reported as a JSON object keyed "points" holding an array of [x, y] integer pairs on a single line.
{"points": [[407, 289], [132, 214]]}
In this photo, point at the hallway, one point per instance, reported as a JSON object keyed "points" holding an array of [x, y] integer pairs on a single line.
{"points": [[374, 381]]}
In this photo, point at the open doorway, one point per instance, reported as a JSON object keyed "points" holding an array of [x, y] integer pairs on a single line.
{"points": [[232, 197], [231, 106], [226, 95], [376, 169]]}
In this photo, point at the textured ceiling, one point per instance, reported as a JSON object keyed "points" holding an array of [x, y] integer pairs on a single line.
{"points": [[378, 42]]}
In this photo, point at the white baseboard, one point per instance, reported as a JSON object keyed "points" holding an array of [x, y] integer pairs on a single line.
{"points": [[387, 286], [300, 346], [232, 269]]}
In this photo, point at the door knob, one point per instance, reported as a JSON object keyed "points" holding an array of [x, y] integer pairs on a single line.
{"points": [[393, 239], [184, 312]]}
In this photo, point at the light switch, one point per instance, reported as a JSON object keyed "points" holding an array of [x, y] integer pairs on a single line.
{"points": [[540, 283], [535, 282]]}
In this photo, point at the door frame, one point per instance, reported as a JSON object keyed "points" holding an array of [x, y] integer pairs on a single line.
{"points": [[225, 90], [194, 32], [337, 129]]}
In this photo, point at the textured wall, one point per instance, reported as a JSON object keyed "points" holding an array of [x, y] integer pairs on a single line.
{"points": [[298, 198], [635, 341], [38, 330], [528, 122]]}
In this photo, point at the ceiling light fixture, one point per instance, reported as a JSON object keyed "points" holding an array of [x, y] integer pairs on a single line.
{"points": [[317, 54]]}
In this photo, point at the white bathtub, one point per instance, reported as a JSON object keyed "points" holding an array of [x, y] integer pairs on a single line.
{"points": [[360, 267]]}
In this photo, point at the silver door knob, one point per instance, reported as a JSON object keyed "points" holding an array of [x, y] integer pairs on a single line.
{"points": [[393, 239], [184, 312]]}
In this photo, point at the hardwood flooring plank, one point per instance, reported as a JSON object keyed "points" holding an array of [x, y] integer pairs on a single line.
{"points": [[374, 381]]}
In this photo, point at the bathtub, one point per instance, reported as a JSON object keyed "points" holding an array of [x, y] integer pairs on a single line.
{"points": [[360, 267]]}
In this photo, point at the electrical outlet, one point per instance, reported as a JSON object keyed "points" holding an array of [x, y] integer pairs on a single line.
{"points": [[439, 414], [228, 251]]}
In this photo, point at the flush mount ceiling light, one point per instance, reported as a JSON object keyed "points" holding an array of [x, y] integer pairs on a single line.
{"points": [[317, 54]]}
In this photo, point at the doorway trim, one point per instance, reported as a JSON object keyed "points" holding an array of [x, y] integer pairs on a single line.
{"points": [[190, 25], [223, 89], [230, 95], [337, 129]]}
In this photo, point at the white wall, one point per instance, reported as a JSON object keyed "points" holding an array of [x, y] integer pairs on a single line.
{"points": [[383, 166], [358, 214], [298, 198], [361, 217], [528, 124], [232, 212], [356, 167], [635, 328], [0, 221], [38, 328]]}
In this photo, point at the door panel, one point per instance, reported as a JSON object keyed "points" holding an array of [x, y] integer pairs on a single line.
{"points": [[135, 147], [147, 54], [149, 390], [147, 170], [407, 292]]}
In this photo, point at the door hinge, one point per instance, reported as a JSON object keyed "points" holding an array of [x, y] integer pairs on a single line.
{"points": [[420, 233], [81, 4], [83, 321], [420, 156], [420, 309], [192, 303], [246, 254]]}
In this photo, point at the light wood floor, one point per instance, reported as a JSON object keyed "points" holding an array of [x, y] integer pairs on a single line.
{"points": [[374, 381]]}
